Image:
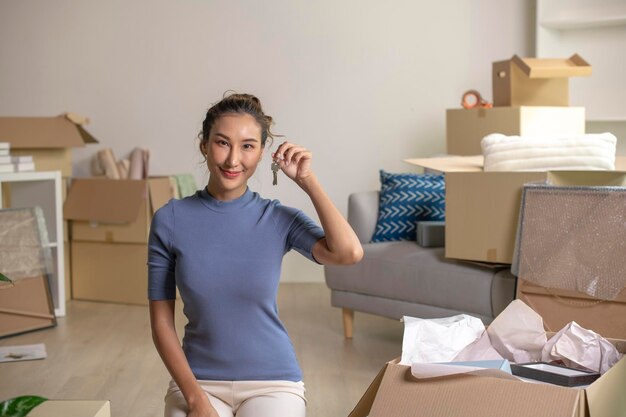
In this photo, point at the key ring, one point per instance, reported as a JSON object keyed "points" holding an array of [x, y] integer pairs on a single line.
{"points": [[479, 100]]}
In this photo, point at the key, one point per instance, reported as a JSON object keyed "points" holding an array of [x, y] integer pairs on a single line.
{"points": [[275, 168]]}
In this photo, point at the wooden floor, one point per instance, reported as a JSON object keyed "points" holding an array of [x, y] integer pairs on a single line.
{"points": [[105, 351]]}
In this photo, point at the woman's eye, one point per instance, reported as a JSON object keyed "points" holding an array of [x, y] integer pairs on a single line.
{"points": [[247, 146], [222, 143]]}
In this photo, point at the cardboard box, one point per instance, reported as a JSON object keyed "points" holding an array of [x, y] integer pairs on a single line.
{"points": [[490, 393], [26, 306], [48, 139], [482, 208], [568, 244], [112, 272], [72, 408], [110, 222], [26, 260], [114, 211], [558, 307], [535, 81], [465, 128]]}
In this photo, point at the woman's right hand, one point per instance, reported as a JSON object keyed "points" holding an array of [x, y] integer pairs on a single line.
{"points": [[202, 408]]}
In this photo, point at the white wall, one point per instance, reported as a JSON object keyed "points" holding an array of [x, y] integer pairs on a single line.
{"points": [[364, 84]]}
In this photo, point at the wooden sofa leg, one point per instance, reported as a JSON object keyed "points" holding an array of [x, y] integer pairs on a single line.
{"points": [[348, 320]]}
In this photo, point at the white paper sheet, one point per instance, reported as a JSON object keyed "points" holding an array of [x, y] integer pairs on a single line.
{"points": [[438, 340], [22, 352]]}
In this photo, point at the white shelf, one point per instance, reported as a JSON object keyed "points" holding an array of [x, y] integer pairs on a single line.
{"points": [[583, 23], [43, 188]]}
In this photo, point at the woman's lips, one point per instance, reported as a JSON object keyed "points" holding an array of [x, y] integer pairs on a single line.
{"points": [[230, 174]]}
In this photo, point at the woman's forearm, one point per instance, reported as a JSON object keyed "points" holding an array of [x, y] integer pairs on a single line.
{"points": [[169, 348], [341, 245]]}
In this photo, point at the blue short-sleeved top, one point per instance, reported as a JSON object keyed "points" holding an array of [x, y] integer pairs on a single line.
{"points": [[225, 258]]}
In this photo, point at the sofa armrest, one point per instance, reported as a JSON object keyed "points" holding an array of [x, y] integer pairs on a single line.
{"points": [[363, 214]]}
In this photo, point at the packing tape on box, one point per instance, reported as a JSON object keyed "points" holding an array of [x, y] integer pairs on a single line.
{"points": [[478, 101]]}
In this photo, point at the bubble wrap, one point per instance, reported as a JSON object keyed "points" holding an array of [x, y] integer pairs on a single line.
{"points": [[573, 238], [24, 247]]}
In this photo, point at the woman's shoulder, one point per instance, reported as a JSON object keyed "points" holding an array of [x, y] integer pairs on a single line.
{"points": [[277, 209], [175, 205]]}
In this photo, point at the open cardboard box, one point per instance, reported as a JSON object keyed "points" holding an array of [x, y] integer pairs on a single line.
{"points": [[482, 208], [48, 139], [110, 223], [394, 392], [465, 128], [535, 81]]}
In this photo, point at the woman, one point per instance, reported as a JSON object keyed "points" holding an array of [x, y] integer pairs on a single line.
{"points": [[222, 248]]}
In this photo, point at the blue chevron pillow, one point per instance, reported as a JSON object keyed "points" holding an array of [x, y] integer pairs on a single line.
{"points": [[406, 199]]}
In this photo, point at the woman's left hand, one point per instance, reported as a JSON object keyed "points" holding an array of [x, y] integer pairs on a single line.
{"points": [[294, 161]]}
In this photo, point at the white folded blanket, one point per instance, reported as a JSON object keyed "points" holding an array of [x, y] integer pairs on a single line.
{"points": [[594, 151]]}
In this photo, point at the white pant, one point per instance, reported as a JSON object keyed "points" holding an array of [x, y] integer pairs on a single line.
{"points": [[244, 398]]}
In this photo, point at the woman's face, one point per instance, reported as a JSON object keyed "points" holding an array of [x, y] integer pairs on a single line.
{"points": [[233, 152]]}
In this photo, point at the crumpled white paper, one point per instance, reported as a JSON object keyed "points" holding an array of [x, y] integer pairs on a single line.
{"points": [[517, 333], [479, 350], [577, 346], [438, 340]]}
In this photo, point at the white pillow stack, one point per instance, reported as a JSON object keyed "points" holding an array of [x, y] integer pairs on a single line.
{"points": [[524, 153]]}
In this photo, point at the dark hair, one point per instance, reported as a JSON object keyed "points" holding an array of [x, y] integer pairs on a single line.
{"points": [[232, 104]]}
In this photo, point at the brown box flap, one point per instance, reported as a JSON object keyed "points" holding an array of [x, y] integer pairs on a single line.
{"points": [[160, 192], [400, 394], [43, 132], [574, 66], [450, 163], [104, 200]]}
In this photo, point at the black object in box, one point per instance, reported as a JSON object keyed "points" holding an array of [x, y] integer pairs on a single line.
{"points": [[554, 374]]}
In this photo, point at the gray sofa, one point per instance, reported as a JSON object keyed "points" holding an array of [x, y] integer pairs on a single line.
{"points": [[395, 279]]}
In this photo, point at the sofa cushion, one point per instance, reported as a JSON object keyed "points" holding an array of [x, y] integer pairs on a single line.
{"points": [[404, 271], [406, 199]]}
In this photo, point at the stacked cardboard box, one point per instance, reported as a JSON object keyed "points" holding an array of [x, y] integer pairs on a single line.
{"points": [[110, 222], [482, 216], [49, 141], [531, 97]]}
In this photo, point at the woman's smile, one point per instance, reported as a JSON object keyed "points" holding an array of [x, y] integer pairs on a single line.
{"points": [[230, 174]]}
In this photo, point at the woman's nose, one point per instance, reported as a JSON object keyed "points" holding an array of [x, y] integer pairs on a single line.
{"points": [[233, 157]]}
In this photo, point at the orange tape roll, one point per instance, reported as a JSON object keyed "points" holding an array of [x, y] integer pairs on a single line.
{"points": [[478, 101]]}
